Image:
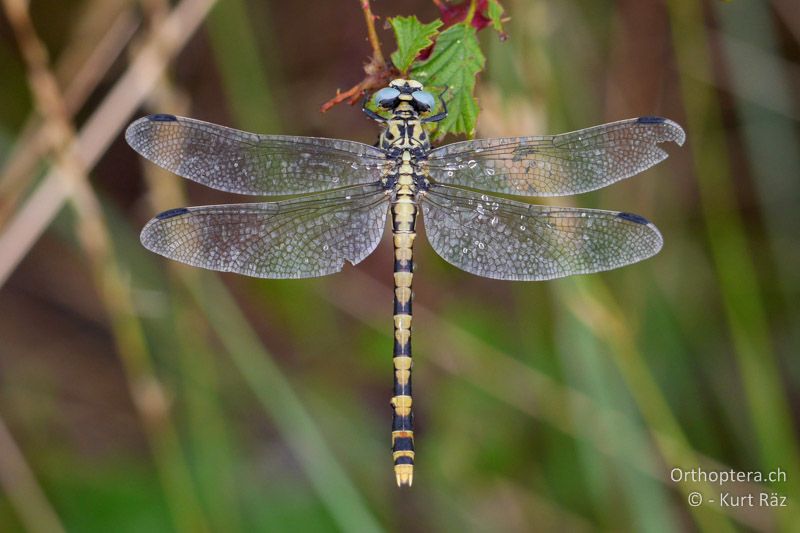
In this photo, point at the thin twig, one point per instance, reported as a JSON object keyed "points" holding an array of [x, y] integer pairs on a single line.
{"points": [[351, 95], [30, 146], [102, 127], [473, 5], [377, 70], [377, 54]]}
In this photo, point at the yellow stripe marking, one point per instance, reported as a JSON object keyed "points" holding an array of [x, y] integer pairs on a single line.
{"points": [[404, 240], [402, 321], [402, 336], [402, 362], [402, 453], [404, 211], [402, 254], [402, 401], [403, 294], [404, 475], [403, 279], [404, 207], [402, 434], [402, 376], [402, 366], [402, 405]]}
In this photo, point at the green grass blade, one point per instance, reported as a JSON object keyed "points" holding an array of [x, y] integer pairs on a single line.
{"points": [[243, 72], [347, 506]]}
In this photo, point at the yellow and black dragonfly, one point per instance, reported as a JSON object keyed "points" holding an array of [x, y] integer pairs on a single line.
{"points": [[350, 187]]}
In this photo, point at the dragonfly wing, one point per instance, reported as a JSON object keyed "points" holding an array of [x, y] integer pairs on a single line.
{"points": [[504, 239], [556, 165], [246, 163], [298, 238]]}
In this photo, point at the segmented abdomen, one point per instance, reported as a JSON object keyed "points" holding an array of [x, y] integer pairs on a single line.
{"points": [[404, 213]]}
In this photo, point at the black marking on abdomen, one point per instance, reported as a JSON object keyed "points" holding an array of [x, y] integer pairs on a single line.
{"points": [[403, 266], [402, 350], [402, 423], [403, 443], [402, 308]]}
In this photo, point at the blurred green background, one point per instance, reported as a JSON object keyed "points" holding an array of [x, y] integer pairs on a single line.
{"points": [[141, 395]]}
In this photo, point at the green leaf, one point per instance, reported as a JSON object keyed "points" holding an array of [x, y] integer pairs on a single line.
{"points": [[455, 62], [495, 13], [412, 38]]}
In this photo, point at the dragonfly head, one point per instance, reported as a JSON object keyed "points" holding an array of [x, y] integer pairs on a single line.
{"points": [[407, 92]]}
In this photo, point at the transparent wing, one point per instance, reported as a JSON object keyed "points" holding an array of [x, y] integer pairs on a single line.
{"points": [[503, 239], [556, 165], [246, 163], [298, 238]]}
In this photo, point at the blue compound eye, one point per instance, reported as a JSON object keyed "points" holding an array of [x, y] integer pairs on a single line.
{"points": [[424, 100], [386, 96]]}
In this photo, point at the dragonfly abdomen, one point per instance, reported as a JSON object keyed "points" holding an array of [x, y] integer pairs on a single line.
{"points": [[404, 214]]}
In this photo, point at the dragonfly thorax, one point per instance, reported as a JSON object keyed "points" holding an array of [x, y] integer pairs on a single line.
{"points": [[404, 132], [406, 101]]}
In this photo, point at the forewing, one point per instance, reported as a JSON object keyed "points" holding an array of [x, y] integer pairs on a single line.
{"points": [[503, 239], [246, 163], [556, 165], [298, 238]]}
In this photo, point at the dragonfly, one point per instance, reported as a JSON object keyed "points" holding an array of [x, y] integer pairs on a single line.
{"points": [[346, 190]]}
